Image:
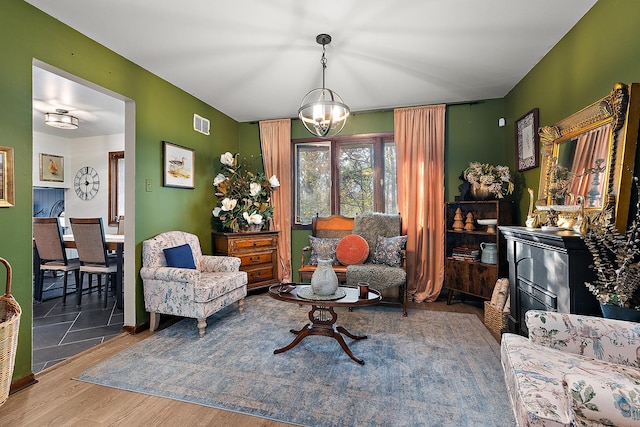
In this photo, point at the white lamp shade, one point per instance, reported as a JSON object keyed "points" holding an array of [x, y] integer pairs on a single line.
{"points": [[61, 121]]}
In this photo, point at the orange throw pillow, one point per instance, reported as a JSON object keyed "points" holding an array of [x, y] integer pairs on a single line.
{"points": [[352, 249]]}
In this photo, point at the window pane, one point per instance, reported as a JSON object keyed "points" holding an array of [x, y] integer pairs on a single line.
{"points": [[390, 181], [313, 181], [356, 179]]}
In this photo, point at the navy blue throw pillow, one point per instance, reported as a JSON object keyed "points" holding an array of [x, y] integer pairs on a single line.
{"points": [[180, 257]]}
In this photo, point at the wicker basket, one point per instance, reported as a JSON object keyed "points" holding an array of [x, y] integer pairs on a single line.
{"points": [[9, 322], [495, 320]]}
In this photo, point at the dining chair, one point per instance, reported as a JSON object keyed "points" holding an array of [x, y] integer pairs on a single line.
{"points": [[51, 255], [88, 234]]}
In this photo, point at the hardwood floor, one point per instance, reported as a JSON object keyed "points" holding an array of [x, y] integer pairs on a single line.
{"points": [[57, 399]]}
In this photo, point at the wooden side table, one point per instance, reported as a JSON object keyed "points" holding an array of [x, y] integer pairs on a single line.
{"points": [[258, 253]]}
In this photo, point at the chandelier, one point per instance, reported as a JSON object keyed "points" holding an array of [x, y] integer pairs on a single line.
{"points": [[322, 111], [61, 120]]}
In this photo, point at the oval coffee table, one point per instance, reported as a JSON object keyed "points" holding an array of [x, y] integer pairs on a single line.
{"points": [[322, 315]]}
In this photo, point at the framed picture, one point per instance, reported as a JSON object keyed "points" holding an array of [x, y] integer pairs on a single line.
{"points": [[527, 141], [51, 168], [178, 165], [6, 177]]}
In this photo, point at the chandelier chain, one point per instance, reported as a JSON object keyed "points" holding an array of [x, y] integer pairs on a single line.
{"points": [[323, 61]]}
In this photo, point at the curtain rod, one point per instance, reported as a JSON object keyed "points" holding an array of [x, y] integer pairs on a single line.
{"points": [[388, 110]]}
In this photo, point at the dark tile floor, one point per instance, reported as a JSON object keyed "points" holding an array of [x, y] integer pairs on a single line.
{"points": [[61, 331]]}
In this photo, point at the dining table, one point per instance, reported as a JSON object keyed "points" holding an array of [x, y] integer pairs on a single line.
{"points": [[113, 242]]}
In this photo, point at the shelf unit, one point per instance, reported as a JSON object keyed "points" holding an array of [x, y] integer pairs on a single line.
{"points": [[474, 277]]}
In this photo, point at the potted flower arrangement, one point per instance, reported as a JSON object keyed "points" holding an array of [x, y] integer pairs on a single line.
{"points": [[243, 196], [488, 181], [616, 262]]}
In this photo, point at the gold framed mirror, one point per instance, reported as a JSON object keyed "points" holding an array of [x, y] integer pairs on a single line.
{"points": [[588, 158]]}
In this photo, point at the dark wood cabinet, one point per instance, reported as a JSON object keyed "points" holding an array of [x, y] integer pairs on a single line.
{"points": [[258, 253], [475, 277], [547, 271]]}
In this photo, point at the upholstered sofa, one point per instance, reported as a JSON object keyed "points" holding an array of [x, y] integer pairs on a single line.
{"points": [[205, 286], [383, 262], [573, 370]]}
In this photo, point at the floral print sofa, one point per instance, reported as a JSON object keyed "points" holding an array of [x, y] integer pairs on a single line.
{"points": [[573, 370], [215, 283]]}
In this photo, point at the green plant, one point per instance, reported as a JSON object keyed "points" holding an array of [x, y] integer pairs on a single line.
{"points": [[496, 178], [243, 196], [616, 261]]}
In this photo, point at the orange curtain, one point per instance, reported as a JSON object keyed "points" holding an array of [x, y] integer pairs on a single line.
{"points": [[419, 137], [591, 146], [275, 139]]}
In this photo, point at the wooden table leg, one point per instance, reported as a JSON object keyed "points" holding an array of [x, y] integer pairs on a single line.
{"points": [[323, 322], [300, 335]]}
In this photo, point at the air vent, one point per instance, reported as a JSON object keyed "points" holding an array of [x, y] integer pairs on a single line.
{"points": [[200, 124]]}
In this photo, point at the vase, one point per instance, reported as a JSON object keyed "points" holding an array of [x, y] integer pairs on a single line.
{"points": [[611, 311], [324, 281], [250, 228], [481, 192]]}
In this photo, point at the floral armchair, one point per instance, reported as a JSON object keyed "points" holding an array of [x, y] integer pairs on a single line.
{"points": [[209, 284], [573, 370]]}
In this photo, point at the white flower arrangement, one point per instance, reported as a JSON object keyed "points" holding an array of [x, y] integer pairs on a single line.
{"points": [[497, 178], [243, 196]]}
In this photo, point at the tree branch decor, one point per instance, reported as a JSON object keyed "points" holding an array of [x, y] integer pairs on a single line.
{"points": [[616, 261]]}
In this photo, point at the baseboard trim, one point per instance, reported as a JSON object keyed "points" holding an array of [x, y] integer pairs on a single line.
{"points": [[23, 382], [132, 330]]}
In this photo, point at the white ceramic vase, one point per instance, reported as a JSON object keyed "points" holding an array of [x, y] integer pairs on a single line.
{"points": [[324, 281]]}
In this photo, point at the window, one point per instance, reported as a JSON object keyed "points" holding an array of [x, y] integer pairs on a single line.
{"points": [[116, 187], [346, 175]]}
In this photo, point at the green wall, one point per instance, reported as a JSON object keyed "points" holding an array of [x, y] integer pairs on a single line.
{"points": [[163, 112], [599, 51], [473, 134]]}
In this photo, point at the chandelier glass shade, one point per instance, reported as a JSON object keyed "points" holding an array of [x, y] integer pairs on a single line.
{"points": [[61, 120], [322, 111]]}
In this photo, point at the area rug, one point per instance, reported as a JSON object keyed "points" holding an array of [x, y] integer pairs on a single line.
{"points": [[428, 369]]}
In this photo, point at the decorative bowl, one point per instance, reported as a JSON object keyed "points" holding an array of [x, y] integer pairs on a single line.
{"points": [[492, 221]]}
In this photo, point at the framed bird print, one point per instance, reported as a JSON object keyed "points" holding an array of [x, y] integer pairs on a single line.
{"points": [[178, 166]]}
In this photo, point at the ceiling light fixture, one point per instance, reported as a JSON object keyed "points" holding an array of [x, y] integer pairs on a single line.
{"points": [[322, 111], [61, 119]]}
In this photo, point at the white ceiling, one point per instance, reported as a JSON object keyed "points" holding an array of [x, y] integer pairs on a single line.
{"points": [[256, 59], [97, 113]]}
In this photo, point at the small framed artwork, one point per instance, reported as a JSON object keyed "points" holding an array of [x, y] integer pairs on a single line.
{"points": [[6, 177], [178, 165], [51, 168], [527, 141]]}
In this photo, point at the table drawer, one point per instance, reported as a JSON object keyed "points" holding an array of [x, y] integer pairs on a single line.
{"points": [[254, 243], [259, 274], [257, 258]]}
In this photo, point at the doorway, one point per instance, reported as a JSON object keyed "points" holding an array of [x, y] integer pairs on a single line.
{"points": [[106, 123]]}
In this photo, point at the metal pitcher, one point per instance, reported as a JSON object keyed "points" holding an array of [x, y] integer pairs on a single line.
{"points": [[489, 253]]}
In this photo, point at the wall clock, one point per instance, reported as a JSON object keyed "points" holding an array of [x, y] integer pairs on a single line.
{"points": [[86, 183]]}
